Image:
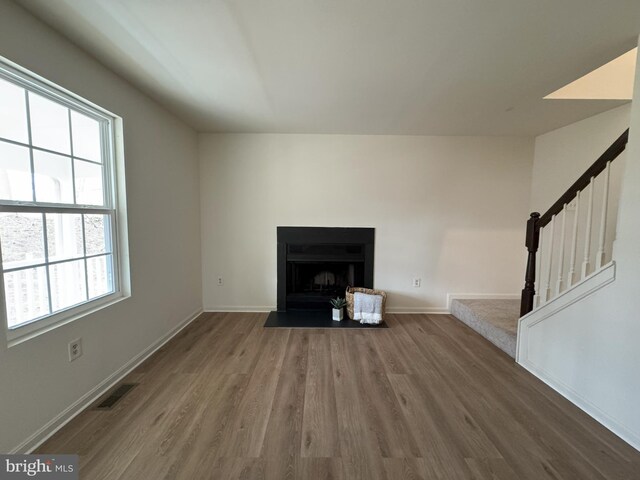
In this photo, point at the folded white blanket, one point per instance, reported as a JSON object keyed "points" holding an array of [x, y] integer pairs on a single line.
{"points": [[367, 308]]}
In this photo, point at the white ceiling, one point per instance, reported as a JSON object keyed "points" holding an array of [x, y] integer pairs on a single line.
{"points": [[436, 67]]}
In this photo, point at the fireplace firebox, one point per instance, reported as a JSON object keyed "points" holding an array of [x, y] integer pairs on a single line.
{"points": [[316, 264]]}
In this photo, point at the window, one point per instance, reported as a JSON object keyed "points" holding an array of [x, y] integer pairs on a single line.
{"points": [[58, 217]]}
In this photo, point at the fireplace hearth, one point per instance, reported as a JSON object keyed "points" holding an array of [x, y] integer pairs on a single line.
{"points": [[316, 264]]}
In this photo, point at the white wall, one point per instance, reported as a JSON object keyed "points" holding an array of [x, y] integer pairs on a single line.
{"points": [[562, 155], [449, 210], [589, 350], [38, 382]]}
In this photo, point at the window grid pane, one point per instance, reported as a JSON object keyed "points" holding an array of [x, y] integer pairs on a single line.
{"points": [[46, 257], [100, 276], [88, 180], [97, 234], [73, 163], [68, 284], [13, 112], [22, 237], [30, 145], [49, 122], [53, 176], [65, 236], [85, 138], [15, 172], [56, 155], [27, 295]]}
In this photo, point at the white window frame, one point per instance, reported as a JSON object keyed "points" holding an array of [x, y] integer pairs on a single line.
{"points": [[114, 204]]}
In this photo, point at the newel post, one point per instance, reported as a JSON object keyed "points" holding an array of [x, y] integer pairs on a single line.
{"points": [[532, 241]]}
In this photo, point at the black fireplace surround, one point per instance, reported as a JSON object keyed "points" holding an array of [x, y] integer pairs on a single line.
{"points": [[316, 264]]}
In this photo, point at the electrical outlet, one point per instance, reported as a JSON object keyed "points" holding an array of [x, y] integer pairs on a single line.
{"points": [[75, 349], [416, 282], [220, 281]]}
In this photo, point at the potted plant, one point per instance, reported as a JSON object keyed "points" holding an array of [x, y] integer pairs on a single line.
{"points": [[338, 305]]}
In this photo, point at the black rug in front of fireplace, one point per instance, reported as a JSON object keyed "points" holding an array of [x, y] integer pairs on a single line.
{"points": [[312, 319]]}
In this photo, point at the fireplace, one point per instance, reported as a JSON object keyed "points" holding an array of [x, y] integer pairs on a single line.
{"points": [[316, 264]]}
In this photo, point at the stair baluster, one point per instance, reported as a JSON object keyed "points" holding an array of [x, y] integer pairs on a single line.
{"points": [[537, 300], [547, 286], [587, 235], [571, 277], [560, 281], [600, 255]]}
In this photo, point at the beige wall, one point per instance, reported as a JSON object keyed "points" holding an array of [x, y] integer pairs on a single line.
{"points": [[448, 210], [38, 382]]}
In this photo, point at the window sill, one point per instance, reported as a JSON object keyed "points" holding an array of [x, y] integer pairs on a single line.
{"points": [[32, 330]]}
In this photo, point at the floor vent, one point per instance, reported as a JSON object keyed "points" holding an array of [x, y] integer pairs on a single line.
{"points": [[115, 396]]}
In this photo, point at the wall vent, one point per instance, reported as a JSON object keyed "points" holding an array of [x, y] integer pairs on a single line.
{"points": [[114, 397]]}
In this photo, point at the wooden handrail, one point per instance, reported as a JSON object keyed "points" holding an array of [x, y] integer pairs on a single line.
{"points": [[536, 221], [594, 170]]}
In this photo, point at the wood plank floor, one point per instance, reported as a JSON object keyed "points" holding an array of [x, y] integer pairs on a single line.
{"points": [[427, 398]]}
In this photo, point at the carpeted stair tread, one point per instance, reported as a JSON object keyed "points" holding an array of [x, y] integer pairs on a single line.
{"points": [[495, 319]]}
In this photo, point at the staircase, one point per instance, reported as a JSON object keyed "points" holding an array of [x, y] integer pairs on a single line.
{"points": [[571, 235], [570, 256], [495, 319]]}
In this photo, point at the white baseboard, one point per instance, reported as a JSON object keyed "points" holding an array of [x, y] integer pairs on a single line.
{"points": [[415, 310], [64, 417], [254, 309], [418, 310], [479, 296], [574, 397], [244, 308]]}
